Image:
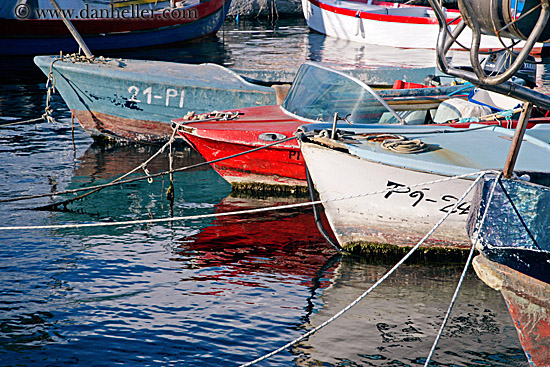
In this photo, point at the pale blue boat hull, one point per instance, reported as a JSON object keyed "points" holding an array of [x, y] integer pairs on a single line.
{"points": [[136, 100]]}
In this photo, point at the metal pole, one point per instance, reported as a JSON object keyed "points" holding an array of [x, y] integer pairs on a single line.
{"points": [[516, 142], [334, 122], [73, 31]]}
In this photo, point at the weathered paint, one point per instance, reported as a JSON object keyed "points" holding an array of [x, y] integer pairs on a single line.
{"points": [[398, 217], [100, 125], [279, 165], [147, 95], [529, 305], [403, 215]]}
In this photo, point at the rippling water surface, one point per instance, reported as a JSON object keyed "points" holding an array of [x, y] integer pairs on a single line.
{"points": [[206, 292]]}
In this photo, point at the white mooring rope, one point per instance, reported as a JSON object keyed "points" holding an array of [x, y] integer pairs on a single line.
{"points": [[148, 176], [466, 266], [239, 212], [391, 271]]}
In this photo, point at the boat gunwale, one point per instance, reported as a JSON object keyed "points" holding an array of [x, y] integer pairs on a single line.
{"points": [[442, 169], [365, 14], [142, 75]]}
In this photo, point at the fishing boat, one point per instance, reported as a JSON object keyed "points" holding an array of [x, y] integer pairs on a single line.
{"points": [[389, 24], [388, 160], [515, 254], [527, 301], [508, 220], [281, 167], [317, 93], [393, 184], [135, 100], [35, 27]]}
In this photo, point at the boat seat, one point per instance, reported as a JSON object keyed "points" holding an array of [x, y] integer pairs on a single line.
{"points": [[456, 108], [408, 12], [410, 117]]}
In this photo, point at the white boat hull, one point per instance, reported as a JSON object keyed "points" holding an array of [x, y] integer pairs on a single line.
{"points": [[377, 29], [401, 217]]}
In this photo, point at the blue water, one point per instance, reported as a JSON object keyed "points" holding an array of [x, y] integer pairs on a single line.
{"points": [[204, 292]]}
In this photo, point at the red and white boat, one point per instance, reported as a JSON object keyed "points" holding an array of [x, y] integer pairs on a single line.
{"points": [[389, 24], [316, 94]]}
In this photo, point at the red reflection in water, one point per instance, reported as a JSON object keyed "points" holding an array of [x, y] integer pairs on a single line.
{"points": [[279, 243]]}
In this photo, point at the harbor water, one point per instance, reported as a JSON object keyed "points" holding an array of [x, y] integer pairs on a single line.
{"points": [[207, 291]]}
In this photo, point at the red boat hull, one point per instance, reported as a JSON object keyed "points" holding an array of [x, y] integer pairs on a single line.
{"points": [[528, 303], [281, 164], [111, 30]]}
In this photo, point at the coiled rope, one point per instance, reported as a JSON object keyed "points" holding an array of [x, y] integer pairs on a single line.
{"points": [[404, 146], [399, 143], [375, 285]]}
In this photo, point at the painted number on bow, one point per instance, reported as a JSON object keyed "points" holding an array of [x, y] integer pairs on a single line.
{"points": [[166, 97], [420, 196], [294, 155]]}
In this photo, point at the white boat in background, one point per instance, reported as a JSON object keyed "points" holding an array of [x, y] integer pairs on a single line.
{"points": [[357, 164], [389, 24]]}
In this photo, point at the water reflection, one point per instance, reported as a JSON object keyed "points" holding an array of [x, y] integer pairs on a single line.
{"points": [[336, 51], [284, 242], [196, 191], [397, 323], [205, 292]]}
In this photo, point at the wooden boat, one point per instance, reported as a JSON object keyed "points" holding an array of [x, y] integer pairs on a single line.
{"points": [[135, 100], [281, 167], [34, 30], [360, 163], [515, 254], [387, 24], [527, 301], [316, 94]]}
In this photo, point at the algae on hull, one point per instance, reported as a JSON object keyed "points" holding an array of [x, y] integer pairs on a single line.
{"points": [[422, 254], [256, 189]]}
